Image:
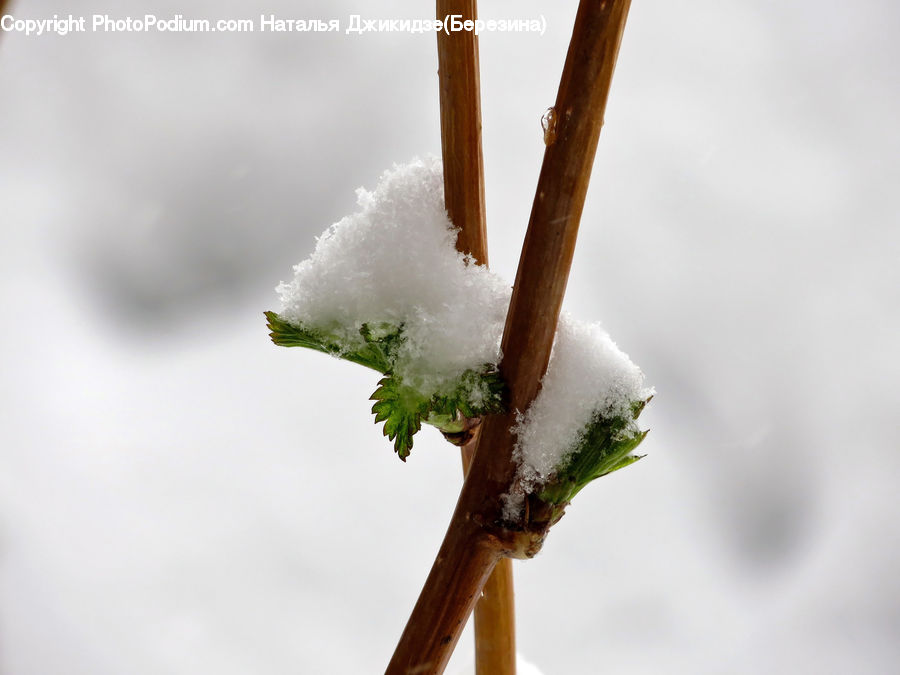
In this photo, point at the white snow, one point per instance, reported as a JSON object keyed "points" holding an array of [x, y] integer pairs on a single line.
{"points": [[587, 374], [394, 261]]}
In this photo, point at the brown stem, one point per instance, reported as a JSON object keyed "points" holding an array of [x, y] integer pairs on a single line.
{"points": [[478, 522], [552, 231], [460, 99], [453, 586], [495, 623], [460, 96], [495, 612]]}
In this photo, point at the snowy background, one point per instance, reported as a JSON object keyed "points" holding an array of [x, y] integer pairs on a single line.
{"points": [[178, 496]]}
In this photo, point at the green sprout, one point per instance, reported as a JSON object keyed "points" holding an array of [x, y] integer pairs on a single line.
{"points": [[401, 406]]}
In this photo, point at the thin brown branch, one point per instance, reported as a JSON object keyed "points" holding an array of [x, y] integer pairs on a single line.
{"points": [[460, 100], [460, 96], [495, 623], [478, 534]]}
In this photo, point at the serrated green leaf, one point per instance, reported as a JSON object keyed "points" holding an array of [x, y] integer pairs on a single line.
{"points": [[402, 409]]}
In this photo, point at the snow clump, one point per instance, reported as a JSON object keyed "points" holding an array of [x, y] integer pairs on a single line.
{"points": [[394, 263], [587, 375]]}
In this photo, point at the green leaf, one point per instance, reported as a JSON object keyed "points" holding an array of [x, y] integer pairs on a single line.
{"points": [[401, 408], [477, 393], [285, 334], [606, 446], [378, 350]]}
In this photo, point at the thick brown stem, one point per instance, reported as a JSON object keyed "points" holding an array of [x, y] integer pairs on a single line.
{"points": [[495, 612], [527, 340], [444, 606], [552, 230]]}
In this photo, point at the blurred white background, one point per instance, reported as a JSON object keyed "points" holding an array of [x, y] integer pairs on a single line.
{"points": [[179, 496]]}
